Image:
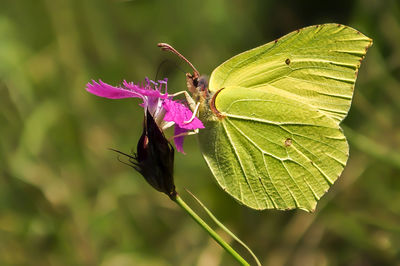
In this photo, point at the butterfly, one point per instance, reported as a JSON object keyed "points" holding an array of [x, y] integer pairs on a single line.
{"points": [[272, 115]]}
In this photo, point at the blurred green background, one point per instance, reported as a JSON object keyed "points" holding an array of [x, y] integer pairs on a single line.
{"points": [[66, 200]]}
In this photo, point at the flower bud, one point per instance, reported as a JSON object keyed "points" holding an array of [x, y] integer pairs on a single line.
{"points": [[155, 158]]}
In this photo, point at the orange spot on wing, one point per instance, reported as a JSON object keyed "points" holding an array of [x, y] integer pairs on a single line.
{"points": [[212, 105]]}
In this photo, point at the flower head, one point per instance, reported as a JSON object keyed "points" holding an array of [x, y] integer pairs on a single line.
{"points": [[165, 111]]}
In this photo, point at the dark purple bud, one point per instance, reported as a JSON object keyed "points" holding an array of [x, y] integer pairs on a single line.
{"points": [[154, 158]]}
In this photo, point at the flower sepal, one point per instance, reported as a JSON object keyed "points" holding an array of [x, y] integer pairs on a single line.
{"points": [[154, 158]]}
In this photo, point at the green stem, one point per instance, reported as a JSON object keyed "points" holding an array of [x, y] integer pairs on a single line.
{"points": [[210, 231], [223, 227]]}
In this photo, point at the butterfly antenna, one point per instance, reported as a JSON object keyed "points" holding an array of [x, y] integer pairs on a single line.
{"points": [[159, 67], [167, 47], [165, 62]]}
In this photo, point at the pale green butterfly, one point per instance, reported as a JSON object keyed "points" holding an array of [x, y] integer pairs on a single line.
{"points": [[272, 137]]}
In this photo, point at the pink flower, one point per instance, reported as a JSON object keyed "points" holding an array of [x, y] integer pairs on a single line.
{"points": [[165, 111]]}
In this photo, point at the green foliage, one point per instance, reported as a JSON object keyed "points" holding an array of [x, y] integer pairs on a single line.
{"points": [[66, 200]]}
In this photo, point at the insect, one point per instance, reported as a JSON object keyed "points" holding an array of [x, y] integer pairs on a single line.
{"points": [[272, 115]]}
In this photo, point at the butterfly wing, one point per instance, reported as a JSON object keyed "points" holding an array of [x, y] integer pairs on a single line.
{"points": [[316, 65], [272, 137]]}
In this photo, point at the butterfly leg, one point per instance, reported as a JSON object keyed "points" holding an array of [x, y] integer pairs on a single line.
{"points": [[192, 104], [194, 114], [187, 133], [189, 99]]}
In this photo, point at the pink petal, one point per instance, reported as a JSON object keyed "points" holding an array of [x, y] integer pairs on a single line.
{"points": [[144, 90], [179, 140], [107, 91], [179, 113]]}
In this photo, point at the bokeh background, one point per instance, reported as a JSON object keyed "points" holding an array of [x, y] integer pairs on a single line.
{"points": [[66, 200]]}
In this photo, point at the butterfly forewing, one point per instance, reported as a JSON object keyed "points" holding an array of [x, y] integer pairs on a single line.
{"points": [[317, 65]]}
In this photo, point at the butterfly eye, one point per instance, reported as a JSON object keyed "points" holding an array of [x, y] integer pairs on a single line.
{"points": [[196, 82]]}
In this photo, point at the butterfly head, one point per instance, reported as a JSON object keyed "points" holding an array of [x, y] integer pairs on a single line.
{"points": [[197, 85]]}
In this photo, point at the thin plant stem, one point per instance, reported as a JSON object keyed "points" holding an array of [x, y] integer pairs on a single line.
{"points": [[210, 231], [223, 227]]}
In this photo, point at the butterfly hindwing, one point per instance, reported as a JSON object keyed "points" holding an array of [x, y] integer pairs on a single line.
{"points": [[265, 149]]}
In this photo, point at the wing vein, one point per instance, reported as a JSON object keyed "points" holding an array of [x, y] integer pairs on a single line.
{"points": [[241, 166]]}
